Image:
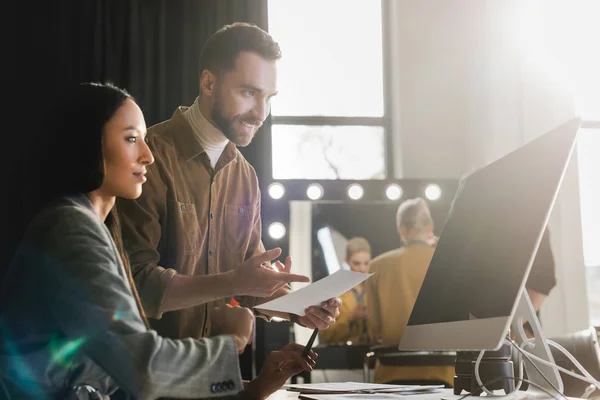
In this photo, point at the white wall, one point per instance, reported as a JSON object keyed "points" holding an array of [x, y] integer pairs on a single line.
{"points": [[430, 88], [464, 96], [456, 85]]}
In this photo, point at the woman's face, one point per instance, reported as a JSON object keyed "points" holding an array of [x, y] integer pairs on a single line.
{"points": [[359, 261], [126, 153]]}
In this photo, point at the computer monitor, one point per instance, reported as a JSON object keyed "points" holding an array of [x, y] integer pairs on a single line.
{"points": [[487, 246]]}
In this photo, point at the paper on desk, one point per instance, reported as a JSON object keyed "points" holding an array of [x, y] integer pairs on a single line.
{"points": [[360, 396], [356, 387], [334, 285]]}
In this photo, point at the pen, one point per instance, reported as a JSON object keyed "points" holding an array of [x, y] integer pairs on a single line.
{"points": [[304, 352], [310, 343]]}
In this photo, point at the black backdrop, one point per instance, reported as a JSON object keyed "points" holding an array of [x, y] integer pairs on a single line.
{"points": [[149, 47]]}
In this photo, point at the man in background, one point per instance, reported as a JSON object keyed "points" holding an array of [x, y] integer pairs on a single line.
{"points": [[392, 292]]}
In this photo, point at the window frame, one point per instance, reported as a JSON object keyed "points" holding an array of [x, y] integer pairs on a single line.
{"points": [[384, 121]]}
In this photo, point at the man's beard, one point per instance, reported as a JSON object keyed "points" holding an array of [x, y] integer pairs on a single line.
{"points": [[227, 126]]}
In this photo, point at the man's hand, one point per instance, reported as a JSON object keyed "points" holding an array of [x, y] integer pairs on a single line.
{"points": [[278, 368], [256, 277], [321, 317], [235, 321]]}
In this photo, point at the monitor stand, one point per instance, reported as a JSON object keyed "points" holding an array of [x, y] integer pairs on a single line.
{"points": [[526, 312]]}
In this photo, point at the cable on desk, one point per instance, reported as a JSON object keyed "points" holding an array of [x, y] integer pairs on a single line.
{"points": [[521, 380]]}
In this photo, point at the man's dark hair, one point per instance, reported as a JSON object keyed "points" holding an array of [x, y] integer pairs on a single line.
{"points": [[224, 46]]}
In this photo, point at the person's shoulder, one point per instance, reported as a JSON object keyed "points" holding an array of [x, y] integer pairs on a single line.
{"points": [[386, 258], [171, 139], [419, 253], [67, 207], [68, 234], [69, 214], [160, 135], [391, 254], [159, 129]]}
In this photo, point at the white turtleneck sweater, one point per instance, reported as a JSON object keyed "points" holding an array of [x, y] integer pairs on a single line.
{"points": [[211, 139]]}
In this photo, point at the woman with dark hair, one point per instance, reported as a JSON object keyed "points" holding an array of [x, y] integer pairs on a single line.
{"points": [[72, 322]]}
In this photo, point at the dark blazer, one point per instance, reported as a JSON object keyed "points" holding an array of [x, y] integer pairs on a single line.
{"points": [[69, 317]]}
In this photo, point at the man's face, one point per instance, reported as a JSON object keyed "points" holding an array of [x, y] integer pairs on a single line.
{"points": [[242, 97]]}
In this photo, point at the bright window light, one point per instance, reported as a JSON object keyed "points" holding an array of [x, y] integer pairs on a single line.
{"points": [[328, 152], [320, 71], [559, 39]]}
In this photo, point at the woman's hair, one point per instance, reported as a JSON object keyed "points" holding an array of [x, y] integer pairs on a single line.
{"points": [[114, 226], [356, 245], [413, 214], [72, 161]]}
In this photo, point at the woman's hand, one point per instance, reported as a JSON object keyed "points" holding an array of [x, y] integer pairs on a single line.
{"points": [[277, 369]]}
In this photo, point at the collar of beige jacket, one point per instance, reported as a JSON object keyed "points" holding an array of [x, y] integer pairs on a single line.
{"points": [[187, 143]]}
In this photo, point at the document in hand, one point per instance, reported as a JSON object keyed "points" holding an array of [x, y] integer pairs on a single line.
{"points": [[356, 387], [333, 285]]}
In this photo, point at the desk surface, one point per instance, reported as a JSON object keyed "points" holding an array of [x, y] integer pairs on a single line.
{"points": [[441, 395]]}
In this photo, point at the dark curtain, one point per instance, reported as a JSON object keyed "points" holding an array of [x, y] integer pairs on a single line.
{"points": [[149, 47]]}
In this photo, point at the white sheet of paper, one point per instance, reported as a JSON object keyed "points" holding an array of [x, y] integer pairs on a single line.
{"points": [[358, 387], [369, 396], [333, 285]]}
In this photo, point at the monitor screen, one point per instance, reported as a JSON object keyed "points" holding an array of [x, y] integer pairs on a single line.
{"points": [[488, 243]]}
